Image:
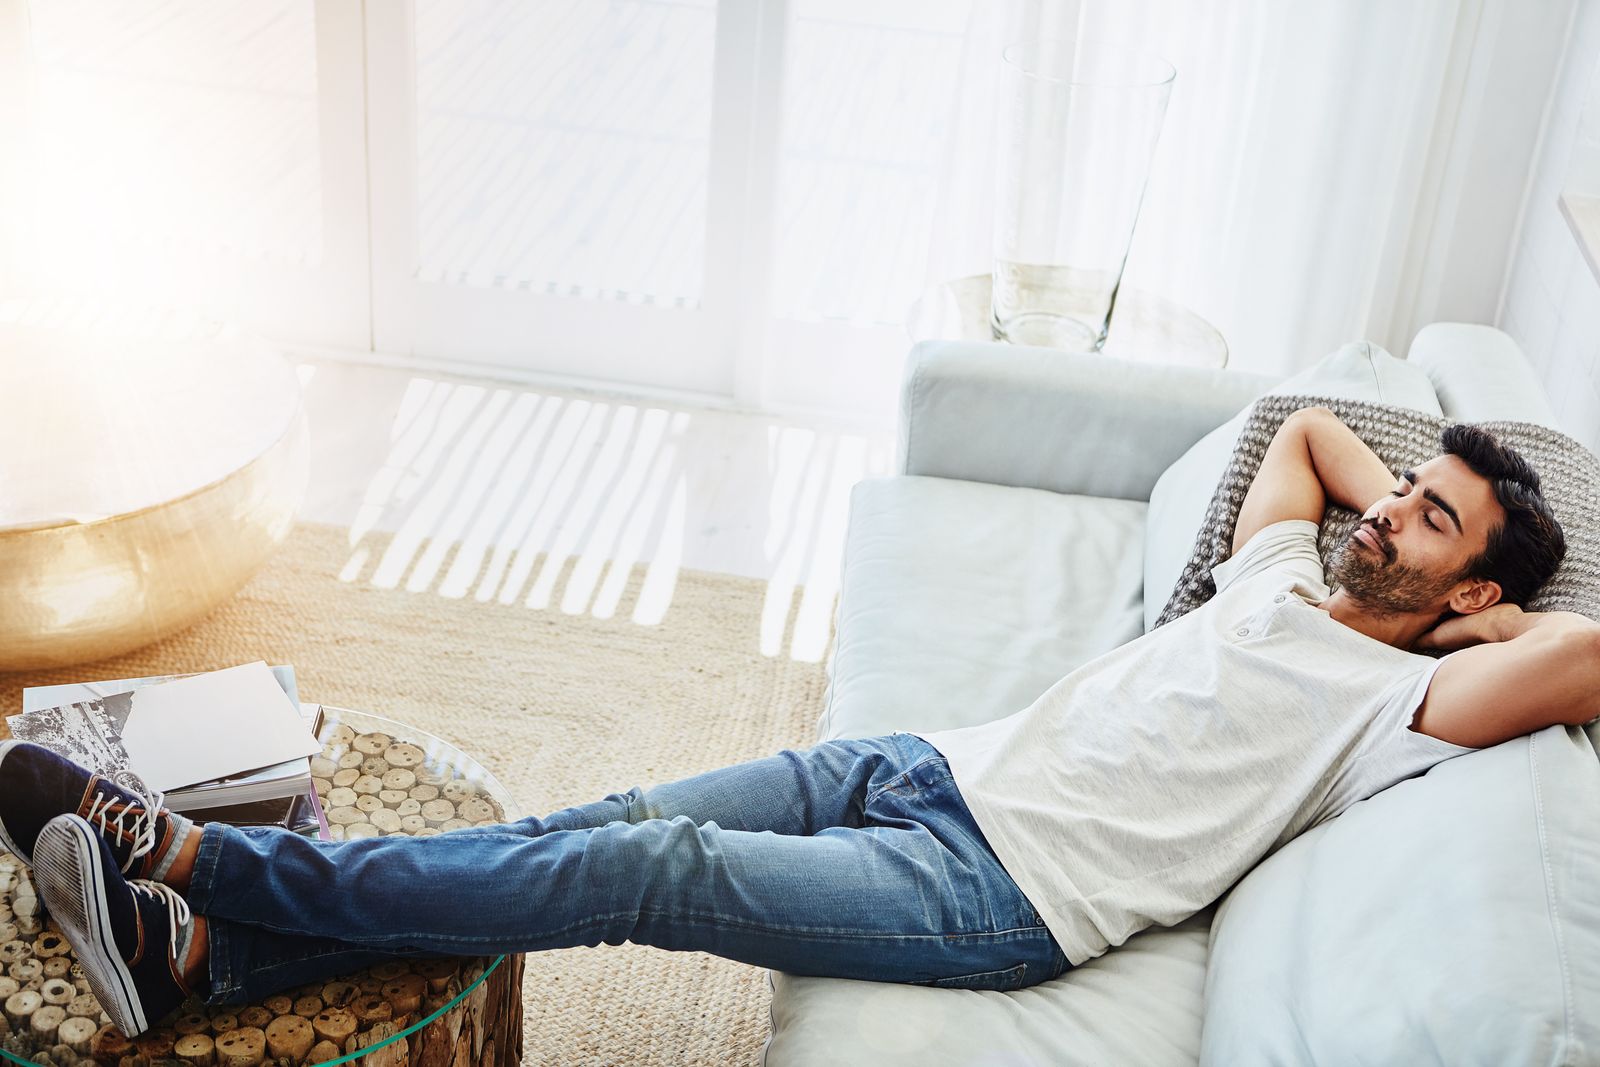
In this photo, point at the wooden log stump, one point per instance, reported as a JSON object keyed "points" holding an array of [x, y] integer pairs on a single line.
{"points": [[57, 991], [372, 1008], [20, 1007], [396, 1053], [77, 1033], [197, 1049], [289, 1036], [244, 1047], [84, 1006], [109, 1046], [27, 972], [156, 1044], [338, 993], [334, 1024], [46, 1021], [194, 1022], [255, 1017], [405, 992], [322, 1052]]}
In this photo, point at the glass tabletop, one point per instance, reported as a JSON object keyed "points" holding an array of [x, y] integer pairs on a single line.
{"points": [[374, 777]]}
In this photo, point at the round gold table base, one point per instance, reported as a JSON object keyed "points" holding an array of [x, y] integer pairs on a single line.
{"points": [[80, 592]]}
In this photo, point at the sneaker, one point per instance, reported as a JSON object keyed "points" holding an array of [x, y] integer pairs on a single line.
{"points": [[39, 785], [128, 936]]}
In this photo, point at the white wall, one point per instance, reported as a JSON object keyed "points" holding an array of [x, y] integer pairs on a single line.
{"points": [[1551, 303]]}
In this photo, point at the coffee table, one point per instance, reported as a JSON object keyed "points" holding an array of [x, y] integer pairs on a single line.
{"points": [[146, 477], [405, 1011]]}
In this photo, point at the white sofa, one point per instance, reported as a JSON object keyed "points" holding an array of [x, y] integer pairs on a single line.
{"points": [[1019, 540]]}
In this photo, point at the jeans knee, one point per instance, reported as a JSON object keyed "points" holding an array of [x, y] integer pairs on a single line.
{"points": [[638, 806], [666, 852]]}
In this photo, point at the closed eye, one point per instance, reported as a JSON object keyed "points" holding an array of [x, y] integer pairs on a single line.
{"points": [[1425, 518]]}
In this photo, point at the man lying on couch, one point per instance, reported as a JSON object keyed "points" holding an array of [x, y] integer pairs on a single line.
{"points": [[1133, 792]]}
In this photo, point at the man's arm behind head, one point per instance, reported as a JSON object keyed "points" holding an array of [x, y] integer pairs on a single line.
{"points": [[1313, 458]]}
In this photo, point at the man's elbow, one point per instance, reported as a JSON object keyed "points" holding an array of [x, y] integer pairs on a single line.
{"points": [[1300, 423]]}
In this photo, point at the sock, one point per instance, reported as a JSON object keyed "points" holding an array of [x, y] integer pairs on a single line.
{"points": [[180, 834], [185, 943]]}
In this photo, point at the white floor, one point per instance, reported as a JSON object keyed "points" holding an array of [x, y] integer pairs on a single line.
{"points": [[603, 483]]}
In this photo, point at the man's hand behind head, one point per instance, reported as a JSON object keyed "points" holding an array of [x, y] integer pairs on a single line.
{"points": [[1499, 622]]}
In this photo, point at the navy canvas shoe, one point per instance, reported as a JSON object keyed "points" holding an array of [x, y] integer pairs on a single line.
{"points": [[39, 785], [130, 937]]}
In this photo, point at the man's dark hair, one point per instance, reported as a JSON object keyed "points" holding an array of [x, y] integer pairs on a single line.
{"points": [[1525, 550]]}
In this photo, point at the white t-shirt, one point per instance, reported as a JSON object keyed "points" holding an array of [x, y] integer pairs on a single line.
{"points": [[1136, 790]]}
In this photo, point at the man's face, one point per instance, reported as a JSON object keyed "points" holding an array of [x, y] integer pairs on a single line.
{"points": [[1410, 550]]}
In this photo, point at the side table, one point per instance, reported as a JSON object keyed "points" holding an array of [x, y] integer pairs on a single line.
{"points": [[1145, 328], [145, 478], [375, 776]]}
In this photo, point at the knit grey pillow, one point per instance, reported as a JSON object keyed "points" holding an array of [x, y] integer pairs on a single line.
{"points": [[1402, 437]]}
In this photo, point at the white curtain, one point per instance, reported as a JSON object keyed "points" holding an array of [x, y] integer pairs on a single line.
{"points": [[1281, 198]]}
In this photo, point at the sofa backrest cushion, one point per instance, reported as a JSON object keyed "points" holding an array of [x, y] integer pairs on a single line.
{"points": [[1452, 918], [1359, 370]]}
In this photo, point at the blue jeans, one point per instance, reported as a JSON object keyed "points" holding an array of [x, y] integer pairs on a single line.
{"points": [[852, 859]]}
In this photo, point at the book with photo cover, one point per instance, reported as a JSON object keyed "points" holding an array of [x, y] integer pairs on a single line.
{"points": [[89, 734]]}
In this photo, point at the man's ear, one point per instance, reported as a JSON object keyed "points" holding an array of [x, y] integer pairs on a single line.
{"points": [[1473, 595]]}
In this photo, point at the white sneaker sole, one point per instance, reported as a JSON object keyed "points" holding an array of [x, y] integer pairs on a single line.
{"points": [[67, 863]]}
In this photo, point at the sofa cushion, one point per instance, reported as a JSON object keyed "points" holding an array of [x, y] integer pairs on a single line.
{"points": [[1138, 1004], [1453, 918], [961, 602], [1359, 370]]}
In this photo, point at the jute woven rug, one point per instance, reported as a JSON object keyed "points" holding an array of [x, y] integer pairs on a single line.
{"points": [[562, 709]]}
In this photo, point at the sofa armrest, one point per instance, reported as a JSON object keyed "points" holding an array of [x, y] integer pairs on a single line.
{"points": [[1480, 374], [1045, 419]]}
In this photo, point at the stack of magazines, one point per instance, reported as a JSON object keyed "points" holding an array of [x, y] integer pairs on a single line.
{"points": [[232, 745]]}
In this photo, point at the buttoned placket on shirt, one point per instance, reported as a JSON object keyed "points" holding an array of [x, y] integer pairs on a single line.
{"points": [[1279, 600]]}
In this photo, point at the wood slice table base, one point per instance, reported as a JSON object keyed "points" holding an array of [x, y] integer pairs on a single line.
{"points": [[321, 1022]]}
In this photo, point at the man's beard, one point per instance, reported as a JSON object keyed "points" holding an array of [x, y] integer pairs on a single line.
{"points": [[1380, 583]]}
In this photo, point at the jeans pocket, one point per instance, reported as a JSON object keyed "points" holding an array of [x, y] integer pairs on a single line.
{"points": [[1006, 979], [926, 774]]}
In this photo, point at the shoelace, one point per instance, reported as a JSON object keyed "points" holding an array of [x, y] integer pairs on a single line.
{"points": [[143, 827], [177, 911]]}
